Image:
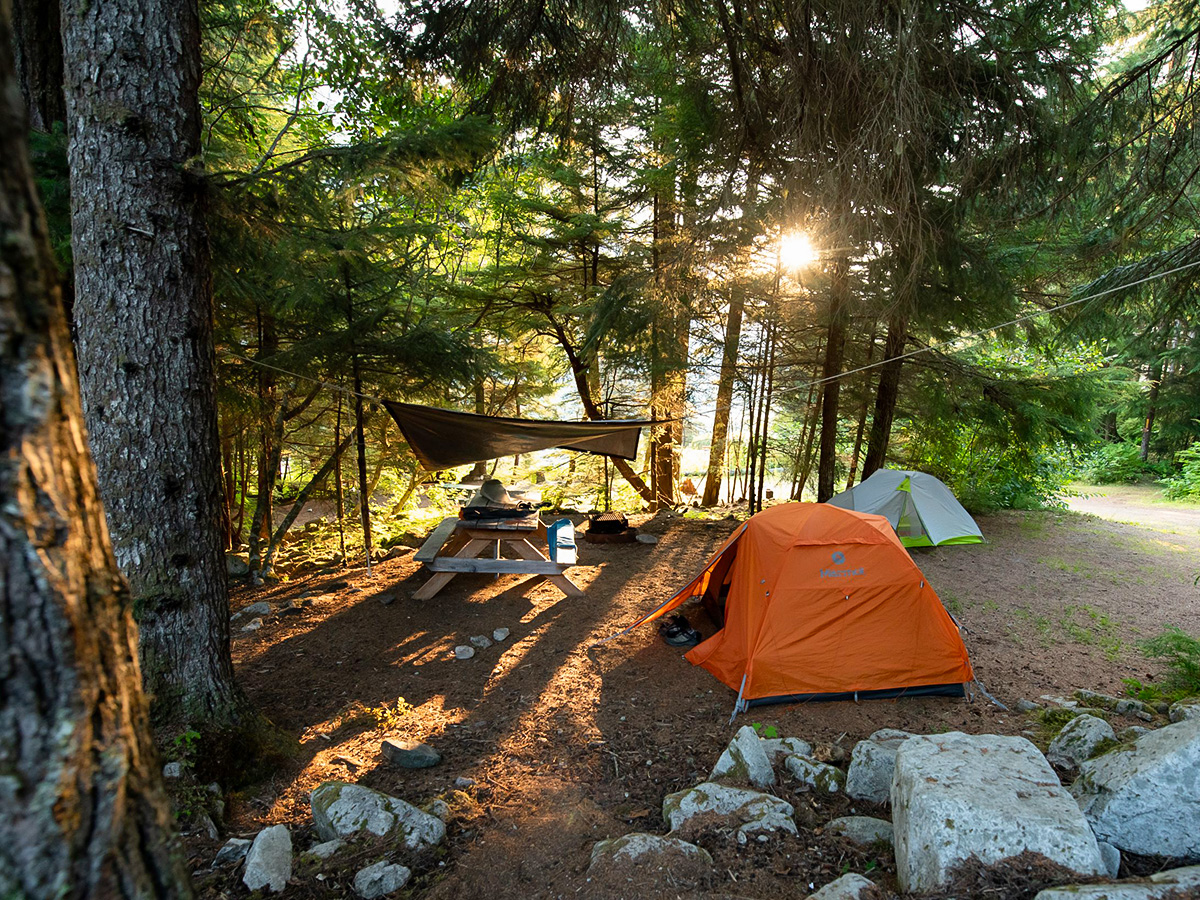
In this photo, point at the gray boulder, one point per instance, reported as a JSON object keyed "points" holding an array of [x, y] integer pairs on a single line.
{"points": [[1173, 883], [819, 775], [993, 797], [864, 830], [745, 759], [253, 625], [269, 861], [409, 754], [646, 850], [235, 850], [1078, 740], [848, 887], [500, 634], [342, 810], [1184, 709], [750, 812], [481, 641], [872, 763], [1145, 797], [380, 879], [462, 651]]}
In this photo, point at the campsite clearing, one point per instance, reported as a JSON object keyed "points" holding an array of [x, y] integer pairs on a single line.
{"points": [[568, 746]]}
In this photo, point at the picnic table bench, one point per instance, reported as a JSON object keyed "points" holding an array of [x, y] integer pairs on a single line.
{"points": [[455, 546]]}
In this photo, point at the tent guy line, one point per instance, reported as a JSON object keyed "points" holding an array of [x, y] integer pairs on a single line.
{"points": [[807, 384]]}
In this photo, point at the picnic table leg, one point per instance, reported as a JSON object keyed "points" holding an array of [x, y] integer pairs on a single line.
{"points": [[440, 579], [526, 550]]}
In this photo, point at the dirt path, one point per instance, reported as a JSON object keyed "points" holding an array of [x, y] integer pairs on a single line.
{"points": [[1136, 504]]}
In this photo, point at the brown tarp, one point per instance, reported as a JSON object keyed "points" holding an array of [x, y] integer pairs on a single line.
{"points": [[442, 439]]}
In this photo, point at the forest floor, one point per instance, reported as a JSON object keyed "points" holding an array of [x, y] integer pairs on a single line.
{"points": [[567, 743]]}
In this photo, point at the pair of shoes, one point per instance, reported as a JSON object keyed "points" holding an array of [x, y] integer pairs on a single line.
{"points": [[678, 632]]}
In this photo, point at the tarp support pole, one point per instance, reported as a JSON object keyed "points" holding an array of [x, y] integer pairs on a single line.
{"points": [[737, 704]]}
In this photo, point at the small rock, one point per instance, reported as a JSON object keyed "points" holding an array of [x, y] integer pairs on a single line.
{"points": [[482, 641], [236, 565], [1112, 858], [1059, 701], [750, 812], [462, 781], [1184, 709], [776, 747], [409, 754], [326, 849], [500, 634], [440, 808], [291, 608], [1092, 698], [1027, 706], [848, 887], [1134, 708], [261, 608], [252, 625], [1132, 733], [744, 760], [173, 770], [872, 763], [816, 774], [342, 810], [647, 850], [235, 850], [204, 824], [862, 829], [1173, 883], [462, 651], [269, 860], [647, 539], [380, 879], [1078, 740]]}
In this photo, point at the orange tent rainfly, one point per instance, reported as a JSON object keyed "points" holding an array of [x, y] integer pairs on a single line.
{"points": [[817, 602]]}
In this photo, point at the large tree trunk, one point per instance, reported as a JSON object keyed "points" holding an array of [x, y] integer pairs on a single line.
{"points": [[886, 395], [85, 814], [720, 432], [1156, 377], [144, 329], [835, 349], [39, 61]]}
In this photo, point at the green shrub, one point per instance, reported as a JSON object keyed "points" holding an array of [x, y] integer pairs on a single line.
{"points": [[1114, 464], [1182, 654], [1186, 484]]}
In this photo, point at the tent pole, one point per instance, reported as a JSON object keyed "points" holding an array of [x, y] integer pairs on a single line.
{"points": [[737, 705]]}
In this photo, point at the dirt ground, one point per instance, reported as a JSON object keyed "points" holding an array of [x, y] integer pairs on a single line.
{"points": [[568, 743], [1136, 504]]}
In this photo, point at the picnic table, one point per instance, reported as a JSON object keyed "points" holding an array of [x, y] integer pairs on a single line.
{"points": [[457, 545]]}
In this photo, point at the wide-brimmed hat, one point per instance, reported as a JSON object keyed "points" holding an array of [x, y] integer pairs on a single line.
{"points": [[493, 491]]}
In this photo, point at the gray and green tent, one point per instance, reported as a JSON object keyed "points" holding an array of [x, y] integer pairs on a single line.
{"points": [[922, 510]]}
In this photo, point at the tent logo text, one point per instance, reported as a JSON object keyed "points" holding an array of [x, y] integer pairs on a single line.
{"points": [[839, 558]]}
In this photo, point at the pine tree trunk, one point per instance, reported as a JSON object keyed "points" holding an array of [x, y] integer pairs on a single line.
{"points": [[862, 420], [39, 61], [835, 349], [886, 395], [143, 316], [270, 440], [85, 814], [1156, 377]]}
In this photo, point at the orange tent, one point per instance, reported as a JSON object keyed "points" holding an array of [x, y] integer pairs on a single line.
{"points": [[820, 602]]}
